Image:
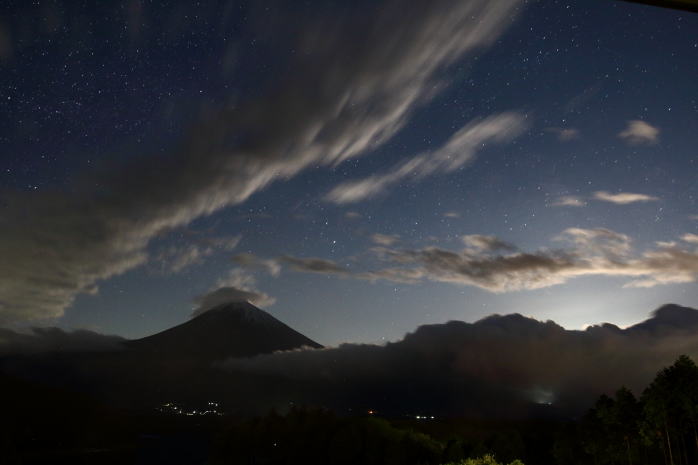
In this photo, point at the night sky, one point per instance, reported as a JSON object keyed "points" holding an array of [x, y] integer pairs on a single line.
{"points": [[354, 168]]}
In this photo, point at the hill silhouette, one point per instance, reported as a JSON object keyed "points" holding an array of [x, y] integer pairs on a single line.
{"points": [[229, 330]]}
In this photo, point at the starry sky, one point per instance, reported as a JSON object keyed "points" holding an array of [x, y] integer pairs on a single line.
{"points": [[357, 169]]}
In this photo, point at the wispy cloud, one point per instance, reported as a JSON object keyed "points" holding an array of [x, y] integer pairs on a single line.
{"points": [[565, 134], [569, 201], [459, 150], [484, 243], [251, 261], [314, 265], [623, 198], [640, 132], [176, 258], [385, 239]]}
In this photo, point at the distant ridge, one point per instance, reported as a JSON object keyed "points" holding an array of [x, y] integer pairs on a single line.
{"points": [[669, 316], [229, 330]]}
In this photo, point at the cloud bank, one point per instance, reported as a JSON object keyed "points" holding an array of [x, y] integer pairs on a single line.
{"points": [[498, 366], [356, 83]]}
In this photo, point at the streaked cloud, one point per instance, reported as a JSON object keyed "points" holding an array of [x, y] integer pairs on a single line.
{"points": [[364, 88], [176, 258], [458, 151], [640, 132]]}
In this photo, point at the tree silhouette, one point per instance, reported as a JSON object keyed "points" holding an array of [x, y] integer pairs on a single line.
{"points": [[670, 411]]}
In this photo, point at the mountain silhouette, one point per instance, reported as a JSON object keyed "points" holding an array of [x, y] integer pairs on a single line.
{"points": [[229, 330], [505, 364], [669, 317]]}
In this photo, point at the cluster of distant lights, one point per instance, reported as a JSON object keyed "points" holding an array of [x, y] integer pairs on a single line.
{"points": [[416, 417], [171, 407]]}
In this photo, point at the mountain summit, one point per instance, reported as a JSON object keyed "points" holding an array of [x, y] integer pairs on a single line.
{"points": [[229, 330], [669, 317]]}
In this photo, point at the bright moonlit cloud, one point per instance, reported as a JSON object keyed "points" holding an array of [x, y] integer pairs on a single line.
{"points": [[623, 198], [689, 237], [364, 89], [640, 132]]}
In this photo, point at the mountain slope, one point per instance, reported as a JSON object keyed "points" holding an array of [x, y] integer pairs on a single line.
{"points": [[668, 317], [229, 330]]}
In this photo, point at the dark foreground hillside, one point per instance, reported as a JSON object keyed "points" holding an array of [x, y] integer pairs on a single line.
{"points": [[44, 425]]}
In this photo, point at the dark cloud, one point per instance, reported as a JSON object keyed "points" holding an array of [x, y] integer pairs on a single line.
{"points": [[44, 340], [498, 273], [355, 80], [496, 366], [589, 252], [495, 265]]}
